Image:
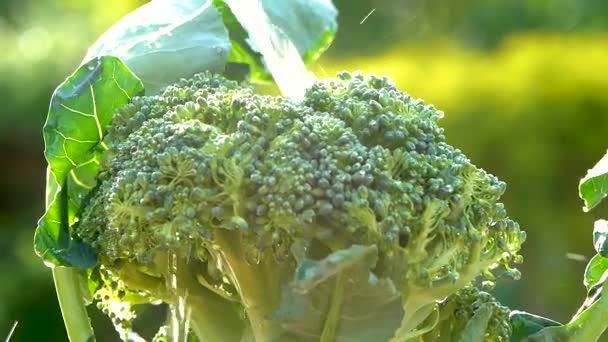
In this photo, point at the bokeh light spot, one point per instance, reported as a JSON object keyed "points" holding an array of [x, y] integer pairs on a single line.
{"points": [[35, 44]]}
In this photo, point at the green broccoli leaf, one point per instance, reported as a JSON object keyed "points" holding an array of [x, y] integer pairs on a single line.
{"points": [[597, 266], [82, 179], [339, 299], [52, 240], [241, 53], [81, 108], [310, 25], [588, 324], [593, 188], [163, 41], [476, 327], [525, 324], [596, 274], [600, 237]]}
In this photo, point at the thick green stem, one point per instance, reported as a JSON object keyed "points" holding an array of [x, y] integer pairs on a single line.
{"points": [[333, 316], [590, 324], [214, 319], [69, 291], [258, 283], [71, 302]]}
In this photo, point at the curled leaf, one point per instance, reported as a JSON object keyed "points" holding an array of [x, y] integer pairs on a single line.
{"points": [[525, 324], [597, 266], [310, 24], [593, 188], [600, 237], [268, 34], [475, 329], [165, 40], [80, 110], [339, 299]]}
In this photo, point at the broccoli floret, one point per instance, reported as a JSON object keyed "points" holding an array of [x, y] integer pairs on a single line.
{"points": [[228, 184], [470, 315]]}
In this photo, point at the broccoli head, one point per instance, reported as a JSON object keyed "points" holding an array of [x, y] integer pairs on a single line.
{"points": [[216, 196]]}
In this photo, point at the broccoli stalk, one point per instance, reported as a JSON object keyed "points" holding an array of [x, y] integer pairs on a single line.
{"points": [[211, 315], [68, 285], [257, 283]]}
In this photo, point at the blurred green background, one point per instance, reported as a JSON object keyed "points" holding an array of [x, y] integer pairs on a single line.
{"points": [[524, 85]]}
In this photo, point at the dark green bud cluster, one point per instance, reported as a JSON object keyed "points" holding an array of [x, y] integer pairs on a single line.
{"points": [[357, 161]]}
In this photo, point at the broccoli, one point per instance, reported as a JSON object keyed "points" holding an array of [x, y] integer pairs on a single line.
{"points": [[470, 315], [216, 201]]}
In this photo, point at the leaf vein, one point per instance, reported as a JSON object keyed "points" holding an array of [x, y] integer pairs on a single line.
{"points": [[76, 111], [95, 114]]}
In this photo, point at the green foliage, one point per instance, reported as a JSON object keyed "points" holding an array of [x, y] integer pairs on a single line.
{"points": [[593, 187], [310, 25], [526, 324], [595, 270], [163, 41], [600, 237], [80, 110]]}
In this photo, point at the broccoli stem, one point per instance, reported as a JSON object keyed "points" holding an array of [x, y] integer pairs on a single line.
{"points": [[333, 316], [71, 302], [259, 284], [67, 286], [591, 324], [214, 319]]}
